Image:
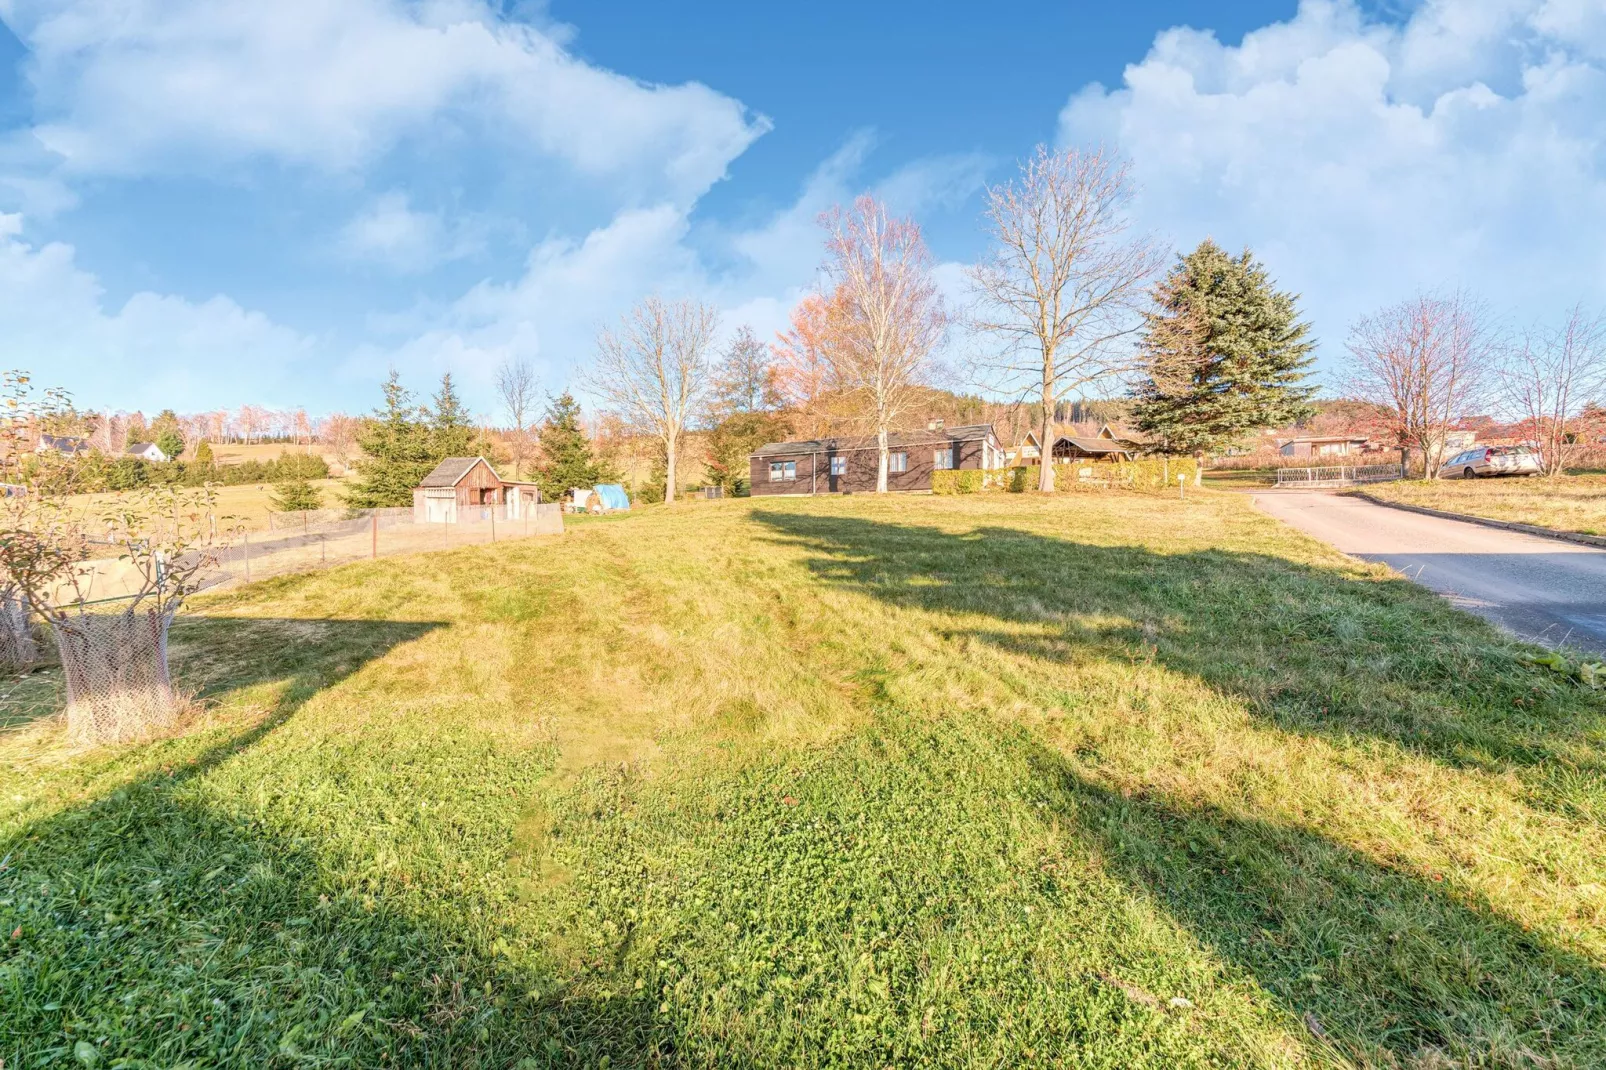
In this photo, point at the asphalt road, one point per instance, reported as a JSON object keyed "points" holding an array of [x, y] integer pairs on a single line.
{"points": [[1547, 590]]}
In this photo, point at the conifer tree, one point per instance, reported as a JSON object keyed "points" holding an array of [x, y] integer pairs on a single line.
{"points": [[453, 433], [203, 454], [566, 457], [398, 451], [1224, 353], [297, 495]]}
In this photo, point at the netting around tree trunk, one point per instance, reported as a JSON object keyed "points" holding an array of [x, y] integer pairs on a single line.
{"points": [[18, 650], [118, 686]]}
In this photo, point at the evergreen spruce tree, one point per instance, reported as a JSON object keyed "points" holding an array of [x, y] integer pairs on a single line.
{"points": [[399, 449], [203, 454], [453, 433], [296, 495], [566, 457], [1225, 354]]}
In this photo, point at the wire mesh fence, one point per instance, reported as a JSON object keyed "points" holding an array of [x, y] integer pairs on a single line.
{"points": [[306, 542], [1338, 476]]}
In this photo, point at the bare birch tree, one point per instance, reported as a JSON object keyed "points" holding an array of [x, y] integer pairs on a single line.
{"points": [[515, 386], [1065, 284], [653, 371], [1549, 377], [890, 318], [1426, 360]]}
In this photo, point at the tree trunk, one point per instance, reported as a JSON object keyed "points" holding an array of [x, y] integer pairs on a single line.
{"points": [[669, 469], [1045, 443], [881, 470]]}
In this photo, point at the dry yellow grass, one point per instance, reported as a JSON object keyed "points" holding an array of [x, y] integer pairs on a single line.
{"points": [[1565, 503], [251, 503]]}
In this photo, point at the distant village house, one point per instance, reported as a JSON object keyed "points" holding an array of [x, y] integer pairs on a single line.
{"points": [[147, 451], [850, 465]]}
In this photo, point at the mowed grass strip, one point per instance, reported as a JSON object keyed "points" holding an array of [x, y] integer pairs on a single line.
{"points": [[1093, 780], [1574, 503]]}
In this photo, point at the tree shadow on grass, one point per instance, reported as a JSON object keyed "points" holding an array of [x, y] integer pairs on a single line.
{"points": [[1308, 649], [153, 925], [1387, 966]]}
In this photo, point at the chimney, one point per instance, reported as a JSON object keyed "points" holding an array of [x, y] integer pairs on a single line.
{"points": [[934, 425]]}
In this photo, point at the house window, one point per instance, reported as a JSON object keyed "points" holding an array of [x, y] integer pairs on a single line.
{"points": [[942, 460], [839, 466], [898, 462], [780, 471]]}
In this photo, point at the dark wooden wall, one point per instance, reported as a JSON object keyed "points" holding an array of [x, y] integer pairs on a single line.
{"points": [[861, 474]]}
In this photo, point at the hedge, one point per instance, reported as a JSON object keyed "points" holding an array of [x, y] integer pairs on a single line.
{"points": [[958, 481]]}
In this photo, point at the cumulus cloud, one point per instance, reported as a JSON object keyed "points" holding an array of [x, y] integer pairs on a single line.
{"points": [[392, 234], [1364, 160], [134, 88], [156, 350]]}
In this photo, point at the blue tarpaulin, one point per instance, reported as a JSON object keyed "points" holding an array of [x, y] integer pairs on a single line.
{"points": [[613, 496]]}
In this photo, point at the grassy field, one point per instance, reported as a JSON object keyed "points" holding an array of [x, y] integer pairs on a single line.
{"points": [[251, 503], [1097, 780], [1236, 478], [1566, 503]]}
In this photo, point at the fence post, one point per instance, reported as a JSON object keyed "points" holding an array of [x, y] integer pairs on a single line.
{"points": [[374, 550], [247, 557]]}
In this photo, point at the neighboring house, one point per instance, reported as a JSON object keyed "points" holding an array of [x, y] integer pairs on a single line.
{"points": [[1324, 446], [1081, 442], [468, 488], [66, 445], [146, 451], [846, 465]]}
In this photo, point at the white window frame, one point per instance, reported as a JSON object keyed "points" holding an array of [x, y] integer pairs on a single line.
{"points": [[783, 471], [898, 462], [839, 465], [943, 460]]}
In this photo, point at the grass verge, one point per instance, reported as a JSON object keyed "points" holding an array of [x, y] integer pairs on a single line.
{"points": [[1564, 503], [1090, 780]]}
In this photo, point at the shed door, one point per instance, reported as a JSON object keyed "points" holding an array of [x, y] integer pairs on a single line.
{"points": [[440, 507]]}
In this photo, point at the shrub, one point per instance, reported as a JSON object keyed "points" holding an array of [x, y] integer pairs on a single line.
{"points": [[958, 481], [296, 495], [1151, 473], [1015, 480]]}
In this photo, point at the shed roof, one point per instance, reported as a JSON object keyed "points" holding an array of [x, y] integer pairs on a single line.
{"points": [[1097, 445], [896, 440], [450, 472]]}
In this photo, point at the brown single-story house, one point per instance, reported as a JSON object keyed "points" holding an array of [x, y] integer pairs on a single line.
{"points": [[467, 488], [1323, 446], [845, 465], [1081, 442]]}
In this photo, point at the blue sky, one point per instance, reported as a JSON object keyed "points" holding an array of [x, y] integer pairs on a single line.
{"points": [[205, 204]]}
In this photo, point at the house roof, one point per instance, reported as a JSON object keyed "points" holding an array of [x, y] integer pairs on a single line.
{"points": [[1104, 430], [1326, 438], [141, 447], [450, 472], [896, 440], [1097, 445]]}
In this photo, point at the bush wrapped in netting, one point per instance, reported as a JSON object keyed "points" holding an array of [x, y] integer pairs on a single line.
{"points": [[19, 649], [115, 663]]}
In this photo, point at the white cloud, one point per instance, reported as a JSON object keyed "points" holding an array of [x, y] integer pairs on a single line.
{"points": [[136, 87], [1365, 160], [154, 351], [389, 232]]}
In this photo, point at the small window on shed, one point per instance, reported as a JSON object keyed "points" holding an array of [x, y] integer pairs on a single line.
{"points": [[942, 460], [898, 462], [781, 471], [839, 466]]}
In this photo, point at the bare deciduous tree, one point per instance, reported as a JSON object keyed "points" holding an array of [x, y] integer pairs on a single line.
{"points": [[515, 386], [653, 371], [338, 434], [1426, 360], [1549, 377], [890, 318], [1065, 283]]}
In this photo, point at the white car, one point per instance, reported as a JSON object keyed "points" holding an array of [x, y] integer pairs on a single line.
{"points": [[1521, 460]]}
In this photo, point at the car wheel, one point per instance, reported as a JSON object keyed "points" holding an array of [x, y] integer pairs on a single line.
{"points": [[1467, 473]]}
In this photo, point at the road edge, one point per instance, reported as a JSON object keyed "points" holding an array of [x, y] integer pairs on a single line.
{"points": [[1503, 525]]}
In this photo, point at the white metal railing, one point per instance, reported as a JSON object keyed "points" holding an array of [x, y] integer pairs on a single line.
{"points": [[1340, 476]]}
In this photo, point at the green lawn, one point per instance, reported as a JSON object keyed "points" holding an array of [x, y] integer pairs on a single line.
{"points": [[1097, 780]]}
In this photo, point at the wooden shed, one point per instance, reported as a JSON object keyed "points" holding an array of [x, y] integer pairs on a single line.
{"points": [[468, 488]]}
